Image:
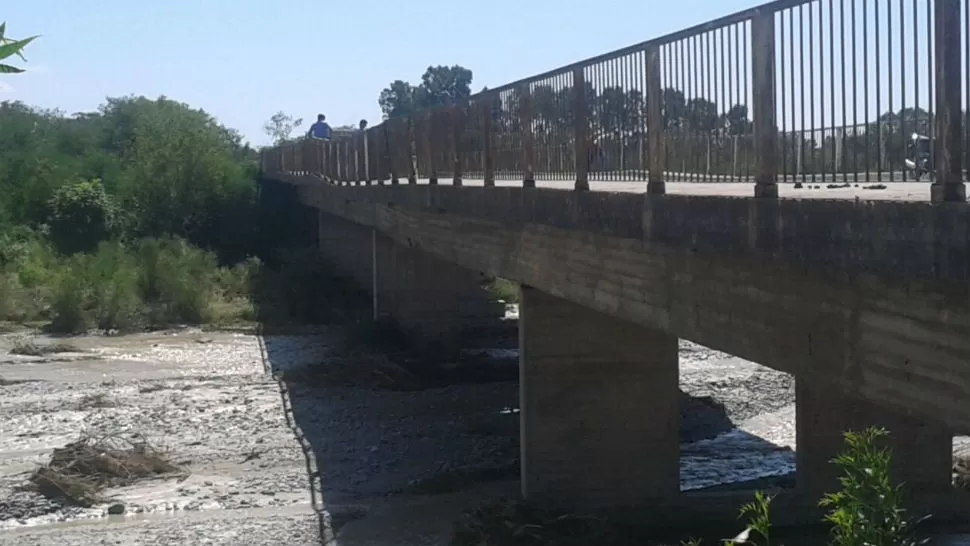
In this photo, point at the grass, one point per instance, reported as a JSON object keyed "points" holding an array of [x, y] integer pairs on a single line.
{"points": [[80, 471]]}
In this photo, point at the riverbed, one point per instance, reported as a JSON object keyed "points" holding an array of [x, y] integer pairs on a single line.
{"points": [[275, 455]]}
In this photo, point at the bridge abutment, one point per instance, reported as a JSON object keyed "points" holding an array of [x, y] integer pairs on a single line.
{"points": [[922, 452], [599, 402]]}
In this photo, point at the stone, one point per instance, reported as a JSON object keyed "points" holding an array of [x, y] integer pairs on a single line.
{"points": [[116, 509]]}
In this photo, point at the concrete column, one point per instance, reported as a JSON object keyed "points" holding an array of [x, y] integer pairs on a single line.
{"points": [[922, 452], [433, 298], [599, 398]]}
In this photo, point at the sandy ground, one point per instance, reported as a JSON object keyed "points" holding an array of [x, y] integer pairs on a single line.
{"points": [[290, 461]]}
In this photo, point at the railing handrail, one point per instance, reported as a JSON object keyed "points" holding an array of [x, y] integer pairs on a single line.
{"points": [[701, 28]]}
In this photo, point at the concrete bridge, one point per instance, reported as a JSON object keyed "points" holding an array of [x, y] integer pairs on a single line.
{"points": [[865, 301]]}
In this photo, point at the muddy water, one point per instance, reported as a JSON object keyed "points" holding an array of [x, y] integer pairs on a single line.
{"points": [[274, 462]]}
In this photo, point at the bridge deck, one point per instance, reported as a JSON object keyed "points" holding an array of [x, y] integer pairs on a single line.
{"points": [[894, 191]]}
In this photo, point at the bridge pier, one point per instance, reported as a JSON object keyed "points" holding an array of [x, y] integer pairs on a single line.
{"points": [[922, 452], [433, 300], [599, 402]]}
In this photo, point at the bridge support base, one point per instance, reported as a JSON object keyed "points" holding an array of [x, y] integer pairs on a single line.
{"points": [[922, 452], [599, 400], [948, 192]]}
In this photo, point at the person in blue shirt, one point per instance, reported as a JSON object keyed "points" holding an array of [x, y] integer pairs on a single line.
{"points": [[320, 130]]}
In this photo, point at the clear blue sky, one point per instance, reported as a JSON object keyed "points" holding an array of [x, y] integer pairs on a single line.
{"points": [[243, 60]]}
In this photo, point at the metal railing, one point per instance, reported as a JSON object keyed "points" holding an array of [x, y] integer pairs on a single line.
{"points": [[793, 90]]}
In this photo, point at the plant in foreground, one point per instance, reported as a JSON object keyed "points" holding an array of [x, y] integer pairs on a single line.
{"points": [[868, 509], [759, 522], [9, 48]]}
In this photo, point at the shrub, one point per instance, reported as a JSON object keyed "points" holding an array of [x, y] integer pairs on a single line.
{"points": [[868, 509], [175, 280], [758, 513], [81, 216]]}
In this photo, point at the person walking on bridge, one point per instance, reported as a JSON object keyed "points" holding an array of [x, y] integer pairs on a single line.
{"points": [[321, 129]]}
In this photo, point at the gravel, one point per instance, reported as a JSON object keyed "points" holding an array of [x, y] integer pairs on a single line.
{"points": [[268, 460]]}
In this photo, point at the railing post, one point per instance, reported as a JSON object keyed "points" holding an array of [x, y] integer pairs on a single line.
{"points": [[655, 124], [345, 154], [763, 107], [408, 143], [488, 163], [338, 145], [581, 129], [948, 151], [357, 150], [346, 159], [429, 141], [528, 137], [359, 157], [339, 164], [307, 146], [457, 132], [365, 137], [387, 166]]}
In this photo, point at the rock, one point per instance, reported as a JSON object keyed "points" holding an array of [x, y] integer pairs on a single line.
{"points": [[116, 509]]}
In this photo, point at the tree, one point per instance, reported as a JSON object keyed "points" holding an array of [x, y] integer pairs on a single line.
{"points": [[440, 86], [701, 115], [397, 99], [9, 48], [736, 120], [82, 215], [281, 126], [620, 110], [444, 85]]}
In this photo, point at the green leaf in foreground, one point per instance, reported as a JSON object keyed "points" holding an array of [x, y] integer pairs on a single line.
{"points": [[15, 47]]}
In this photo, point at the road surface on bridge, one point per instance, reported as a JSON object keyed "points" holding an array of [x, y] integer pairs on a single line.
{"points": [[894, 191]]}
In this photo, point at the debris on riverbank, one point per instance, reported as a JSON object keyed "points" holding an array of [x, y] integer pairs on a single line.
{"points": [[81, 470]]}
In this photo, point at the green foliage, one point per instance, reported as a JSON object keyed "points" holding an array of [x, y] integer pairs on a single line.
{"points": [[9, 48], [440, 85], [758, 513], [81, 216], [504, 290], [281, 126], [169, 169], [124, 287], [868, 509], [176, 280]]}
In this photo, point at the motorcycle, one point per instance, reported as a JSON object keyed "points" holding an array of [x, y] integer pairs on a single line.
{"points": [[920, 160]]}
